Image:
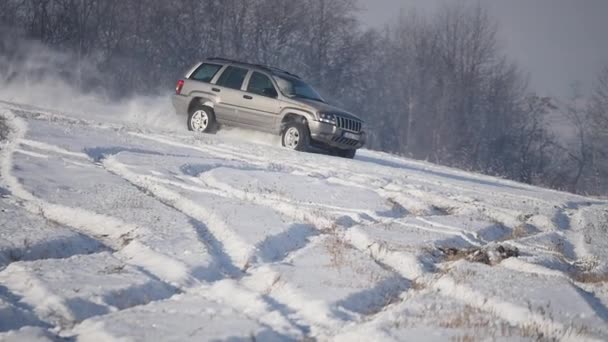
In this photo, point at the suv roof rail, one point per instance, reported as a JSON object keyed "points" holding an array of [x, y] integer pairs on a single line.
{"points": [[265, 67], [223, 59], [284, 71]]}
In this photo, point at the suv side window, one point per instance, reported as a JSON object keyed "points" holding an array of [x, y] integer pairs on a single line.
{"points": [[232, 78], [260, 84], [205, 72]]}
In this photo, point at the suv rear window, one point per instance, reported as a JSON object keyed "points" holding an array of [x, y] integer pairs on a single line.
{"points": [[232, 77], [205, 72]]}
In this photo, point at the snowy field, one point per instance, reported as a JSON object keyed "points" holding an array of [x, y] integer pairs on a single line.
{"points": [[113, 230]]}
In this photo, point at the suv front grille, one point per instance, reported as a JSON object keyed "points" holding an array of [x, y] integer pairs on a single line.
{"points": [[348, 124]]}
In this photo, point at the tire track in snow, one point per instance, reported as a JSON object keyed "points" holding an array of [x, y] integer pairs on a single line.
{"points": [[253, 305], [447, 229], [447, 284], [508, 217], [236, 248], [111, 231], [127, 248], [316, 314], [323, 317], [370, 179], [282, 204], [52, 148], [512, 313], [133, 251], [146, 185], [140, 254], [83, 221], [289, 207], [411, 267]]}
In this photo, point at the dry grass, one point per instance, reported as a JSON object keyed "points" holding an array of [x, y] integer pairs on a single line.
{"points": [[481, 255], [486, 327], [466, 318], [521, 231], [443, 211], [558, 246], [277, 282], [462, 276], [454, 254], [465, 338], [3, 129], [114, 269], [534, 332], [417, 285], [336, 247], [590, 277], [586, 271], [396, 208]]}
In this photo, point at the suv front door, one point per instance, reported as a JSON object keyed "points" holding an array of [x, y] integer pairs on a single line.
{"points": [[228, 87], [261, 103]]}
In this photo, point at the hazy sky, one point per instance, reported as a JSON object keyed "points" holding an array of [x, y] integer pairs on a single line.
{"points": [[557, 41]]}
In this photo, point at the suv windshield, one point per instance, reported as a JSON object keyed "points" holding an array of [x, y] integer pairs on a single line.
{"points": [[294, 87]]}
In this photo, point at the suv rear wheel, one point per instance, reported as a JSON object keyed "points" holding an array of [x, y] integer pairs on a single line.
{"points": [[201, 119], [296, 136]]}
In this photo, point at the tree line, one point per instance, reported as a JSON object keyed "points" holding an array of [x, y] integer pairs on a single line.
{"points": [[435, 86]]}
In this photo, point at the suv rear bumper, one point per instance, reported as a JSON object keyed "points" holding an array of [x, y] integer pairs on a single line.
{"points": [[180, 103], [330, 135]]}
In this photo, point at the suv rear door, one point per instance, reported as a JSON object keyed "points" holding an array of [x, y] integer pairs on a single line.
{"points": [[261, 102], [228, 88]]}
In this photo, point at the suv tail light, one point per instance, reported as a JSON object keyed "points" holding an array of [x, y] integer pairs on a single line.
{"points": [[179, 86]]}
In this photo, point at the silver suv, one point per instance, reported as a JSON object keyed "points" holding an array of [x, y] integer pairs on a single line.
{"points": [[221, 91]]}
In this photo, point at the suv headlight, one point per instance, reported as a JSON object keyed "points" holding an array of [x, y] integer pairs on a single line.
{"points": [[327, 118]]}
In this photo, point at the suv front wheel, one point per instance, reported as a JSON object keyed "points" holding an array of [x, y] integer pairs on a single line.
{"points": [[296, 136]]}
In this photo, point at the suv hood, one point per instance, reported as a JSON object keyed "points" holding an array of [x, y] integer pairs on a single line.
{"points": [[323, 107]]}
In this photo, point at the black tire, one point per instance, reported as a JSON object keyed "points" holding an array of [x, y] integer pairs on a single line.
{"points": [[303, 136], [198, 126], [349, 154]]}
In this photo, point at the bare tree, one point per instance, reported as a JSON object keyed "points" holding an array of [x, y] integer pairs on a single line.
{"points": [[599, 104], [532, 138], [581, 149], [598, 110]]}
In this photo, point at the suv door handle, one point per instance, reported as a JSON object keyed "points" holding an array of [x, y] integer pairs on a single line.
{"points": [[217, 90], [247, 97]]}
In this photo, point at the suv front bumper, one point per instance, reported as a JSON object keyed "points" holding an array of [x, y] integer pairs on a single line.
{"points": [[330, 135]]}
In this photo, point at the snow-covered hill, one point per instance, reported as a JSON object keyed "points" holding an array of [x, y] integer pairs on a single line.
{"points": [[114, 230]]}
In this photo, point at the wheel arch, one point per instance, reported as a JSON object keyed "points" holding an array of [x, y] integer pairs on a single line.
{"points": [[291, 115], [201, 101]]}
